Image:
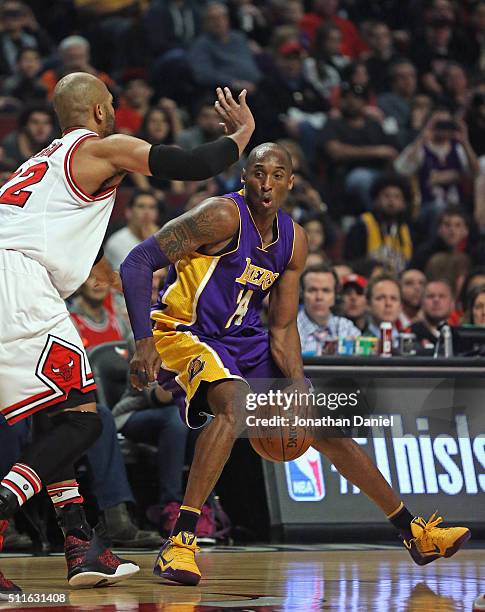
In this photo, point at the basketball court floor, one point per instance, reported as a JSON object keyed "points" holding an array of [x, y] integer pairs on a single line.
{"points": [[341, 578]]}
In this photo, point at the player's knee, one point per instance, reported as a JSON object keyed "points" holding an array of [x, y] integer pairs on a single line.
{"points": [[86, 425], [225, 412], [94, 426]]}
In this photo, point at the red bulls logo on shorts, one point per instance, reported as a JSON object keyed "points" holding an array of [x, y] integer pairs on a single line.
{"points": [[62, 365], [65, 370]]}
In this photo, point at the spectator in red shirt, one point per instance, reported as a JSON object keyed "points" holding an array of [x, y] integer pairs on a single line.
{"points": [[94, 322], [134, 105], [326, 10]]}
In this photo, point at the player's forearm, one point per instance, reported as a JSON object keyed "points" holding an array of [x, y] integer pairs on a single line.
{"points": [[286, 351], [136, 273], [203, 162]]}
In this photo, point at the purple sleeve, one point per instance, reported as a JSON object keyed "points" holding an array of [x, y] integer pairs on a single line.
{"points": [[137, 275]]}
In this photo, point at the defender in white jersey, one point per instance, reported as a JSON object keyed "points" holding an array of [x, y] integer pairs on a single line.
{"points": [[54, 211], [50, 233]]}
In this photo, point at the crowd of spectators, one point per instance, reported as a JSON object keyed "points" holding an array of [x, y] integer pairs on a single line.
{"points": [[381, 105]]}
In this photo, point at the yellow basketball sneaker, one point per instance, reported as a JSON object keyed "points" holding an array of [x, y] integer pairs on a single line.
{"points": [[430, 542], [176, 559]]}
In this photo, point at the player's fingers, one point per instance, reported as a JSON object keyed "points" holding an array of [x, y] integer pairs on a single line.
{"points": [[230, 100], [221, 112], [221, 98], [242, 98], [153, 367], [143, 376], [134, 382], [138, 376], [134, 364]]}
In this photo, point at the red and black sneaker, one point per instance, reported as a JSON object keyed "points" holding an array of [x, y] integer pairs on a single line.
{"points": [[90, 564], [7, 587]]}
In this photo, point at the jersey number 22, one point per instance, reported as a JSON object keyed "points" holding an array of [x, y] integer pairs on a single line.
{"points": [[18, 194]]}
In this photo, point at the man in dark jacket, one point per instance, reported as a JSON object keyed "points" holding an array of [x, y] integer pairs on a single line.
{"points": [[287, 105], [356, 149]]}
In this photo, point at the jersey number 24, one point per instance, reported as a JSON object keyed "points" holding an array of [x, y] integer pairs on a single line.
{"points": [[243, 300]]}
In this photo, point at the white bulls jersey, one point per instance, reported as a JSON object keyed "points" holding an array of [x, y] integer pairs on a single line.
{"points": [[47, 217]]}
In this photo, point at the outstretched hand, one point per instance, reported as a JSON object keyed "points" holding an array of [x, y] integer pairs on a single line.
{"points": [[235, 116]]}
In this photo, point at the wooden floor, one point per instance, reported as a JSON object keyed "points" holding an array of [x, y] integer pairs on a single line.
{"points": [[270, 579]]}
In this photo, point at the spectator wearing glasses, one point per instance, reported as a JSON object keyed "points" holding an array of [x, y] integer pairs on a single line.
{"points": [[316, 322]]}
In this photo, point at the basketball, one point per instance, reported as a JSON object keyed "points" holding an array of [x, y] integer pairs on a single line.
{"points": [[279, 440]]}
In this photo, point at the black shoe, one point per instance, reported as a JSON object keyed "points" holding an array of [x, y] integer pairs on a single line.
{"points": [[90, 564], [89, 561]]}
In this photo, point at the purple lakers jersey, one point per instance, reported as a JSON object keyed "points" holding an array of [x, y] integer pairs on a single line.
{"points": [[222, 294]]}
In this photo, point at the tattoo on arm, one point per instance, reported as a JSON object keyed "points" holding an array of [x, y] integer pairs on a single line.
{"points": [[181, 236]]}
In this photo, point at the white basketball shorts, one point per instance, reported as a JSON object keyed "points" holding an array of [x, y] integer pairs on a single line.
{"points": [[42, 357]]}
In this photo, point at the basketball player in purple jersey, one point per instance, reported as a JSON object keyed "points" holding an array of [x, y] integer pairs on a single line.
{"points": [[226, 255]]}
